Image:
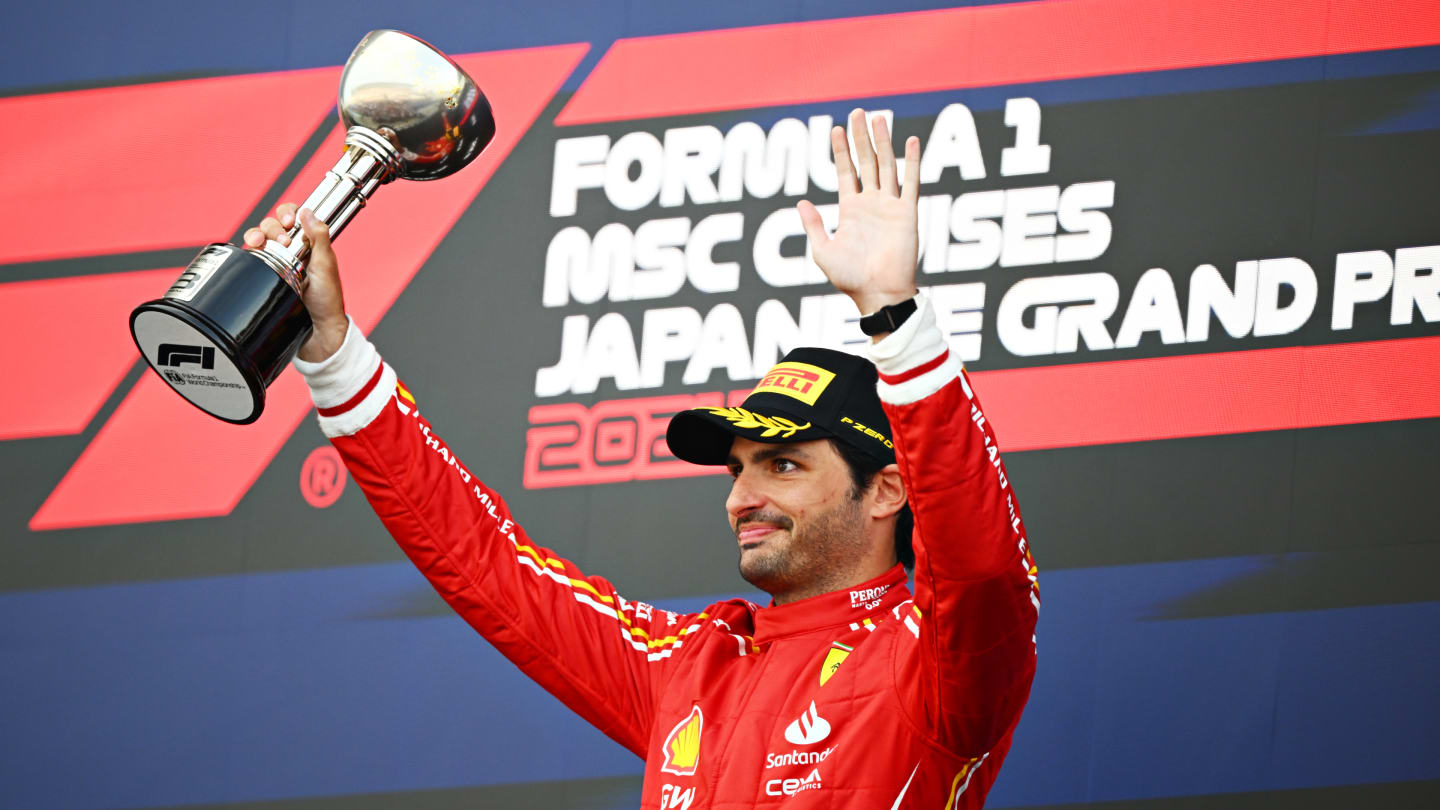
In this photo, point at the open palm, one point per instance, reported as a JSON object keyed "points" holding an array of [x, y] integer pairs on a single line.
{"points": [[872, 255]]}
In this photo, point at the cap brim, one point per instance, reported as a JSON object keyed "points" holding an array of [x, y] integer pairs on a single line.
{"points": [[704, 435]]}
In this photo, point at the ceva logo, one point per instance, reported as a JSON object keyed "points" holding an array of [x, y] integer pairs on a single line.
{"points": [[809, 729], [789, 787], [682, 746]]}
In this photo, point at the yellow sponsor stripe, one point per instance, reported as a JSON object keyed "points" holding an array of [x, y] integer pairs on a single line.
{"points": [[535, 555], [553, 562], [950, 803], [400, 389], [634, 631], [580, 583], [659, 642], [610, 600]]}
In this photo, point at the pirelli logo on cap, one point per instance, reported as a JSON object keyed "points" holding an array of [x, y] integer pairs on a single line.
{"points": [[800, 381]]}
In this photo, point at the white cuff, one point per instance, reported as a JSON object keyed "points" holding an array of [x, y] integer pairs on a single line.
{"points": [[916, 344], [337, 383]]}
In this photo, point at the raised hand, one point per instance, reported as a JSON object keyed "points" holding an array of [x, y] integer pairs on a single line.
{"points": [[872, 255], [323, 297]]}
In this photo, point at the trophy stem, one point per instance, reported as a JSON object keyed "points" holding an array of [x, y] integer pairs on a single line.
{"points": [[369, 161]]}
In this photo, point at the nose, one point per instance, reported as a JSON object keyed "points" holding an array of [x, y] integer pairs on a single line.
{"points": [[744, 497]]}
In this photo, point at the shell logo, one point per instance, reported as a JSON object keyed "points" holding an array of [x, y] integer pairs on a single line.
{"points": [[682, 745]]}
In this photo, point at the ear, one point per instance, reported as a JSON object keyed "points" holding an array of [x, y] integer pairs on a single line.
{"points": [[887, 492]]}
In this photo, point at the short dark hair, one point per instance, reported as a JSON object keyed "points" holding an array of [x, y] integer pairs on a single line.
{"points": [[863, 470]]}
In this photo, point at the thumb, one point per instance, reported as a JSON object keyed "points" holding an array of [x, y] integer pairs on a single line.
{"points": [[814, 225], [317, 232], [321, 292]]}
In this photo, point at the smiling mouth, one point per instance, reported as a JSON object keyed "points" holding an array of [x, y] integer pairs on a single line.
{"points": [[752, 536]]}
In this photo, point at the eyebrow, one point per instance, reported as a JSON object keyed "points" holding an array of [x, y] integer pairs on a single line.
{"points": [[767, 454]]}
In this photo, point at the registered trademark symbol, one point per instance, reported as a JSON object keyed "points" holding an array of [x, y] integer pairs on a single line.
{"points": [[322, 477]]}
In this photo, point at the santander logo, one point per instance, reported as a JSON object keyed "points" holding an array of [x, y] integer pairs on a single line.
{"points": [[809, 729]]}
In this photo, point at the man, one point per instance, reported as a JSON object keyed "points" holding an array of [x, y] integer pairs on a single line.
{"points": [[846, 691]]}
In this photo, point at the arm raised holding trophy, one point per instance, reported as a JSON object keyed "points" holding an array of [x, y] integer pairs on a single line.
{"points": [[226, 328]]}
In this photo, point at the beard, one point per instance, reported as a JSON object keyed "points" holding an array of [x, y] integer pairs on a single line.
{"points": [[814, 553]]}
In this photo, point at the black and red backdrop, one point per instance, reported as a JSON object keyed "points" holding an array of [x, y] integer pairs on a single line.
{"points": [[1190, 257]]}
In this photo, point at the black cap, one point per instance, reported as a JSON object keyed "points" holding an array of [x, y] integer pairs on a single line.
{"points": [[810, 394]]}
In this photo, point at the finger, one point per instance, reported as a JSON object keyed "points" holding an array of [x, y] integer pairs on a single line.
{"points": [[814, 225], [273, 230], [285, 212], [910, 192], [255, 238], [317, 232], [844, 169], [885, 157], [323, 296], [864, 152]]}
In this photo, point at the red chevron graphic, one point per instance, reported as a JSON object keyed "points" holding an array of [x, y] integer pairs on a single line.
{"points": [[979, 46], [121, 478], [69, 339], [125, 169], [182, 162]]}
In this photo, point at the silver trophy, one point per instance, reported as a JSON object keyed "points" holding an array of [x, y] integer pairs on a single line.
{"points": [[232, 321]]}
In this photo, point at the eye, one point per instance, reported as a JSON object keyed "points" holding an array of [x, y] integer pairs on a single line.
{"points": [[734, 470], [783, 464]]}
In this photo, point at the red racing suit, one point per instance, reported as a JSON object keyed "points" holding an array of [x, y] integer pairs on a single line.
{"points": [[864, 698]]}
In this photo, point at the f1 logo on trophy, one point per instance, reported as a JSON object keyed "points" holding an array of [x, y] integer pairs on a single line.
{"points": [[232, 321]]}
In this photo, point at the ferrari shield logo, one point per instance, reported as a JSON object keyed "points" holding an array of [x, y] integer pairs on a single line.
{"points": [[835, 656]]}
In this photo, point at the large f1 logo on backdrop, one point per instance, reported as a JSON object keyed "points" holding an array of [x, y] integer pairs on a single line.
{"points": [[184, 164], [194, 194]]}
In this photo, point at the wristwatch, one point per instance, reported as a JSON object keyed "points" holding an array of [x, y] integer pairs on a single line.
{"points": [[888, 318]]}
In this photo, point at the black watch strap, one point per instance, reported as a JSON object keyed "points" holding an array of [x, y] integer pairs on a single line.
{"points": [[887, 319]]}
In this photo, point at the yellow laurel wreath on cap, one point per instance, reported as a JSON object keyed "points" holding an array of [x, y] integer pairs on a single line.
{"points": [[773, 425]]}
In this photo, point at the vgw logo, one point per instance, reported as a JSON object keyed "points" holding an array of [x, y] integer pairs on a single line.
{"points": [[673, 797], [178, 354]]}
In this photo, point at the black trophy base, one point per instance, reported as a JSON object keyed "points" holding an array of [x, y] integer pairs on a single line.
{"points": [[223, 332]]}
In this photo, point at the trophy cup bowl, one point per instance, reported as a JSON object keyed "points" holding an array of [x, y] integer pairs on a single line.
{"points": [[232, 321]]}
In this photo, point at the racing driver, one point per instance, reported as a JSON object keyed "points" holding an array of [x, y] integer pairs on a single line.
{"points": [[847, 691]]}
